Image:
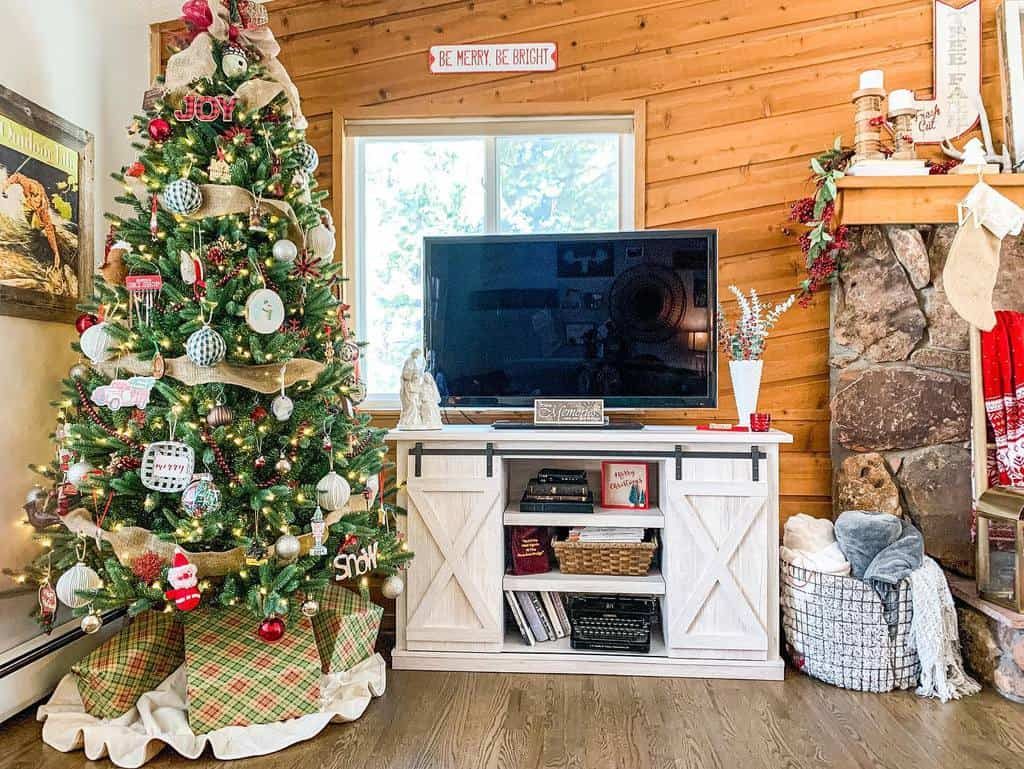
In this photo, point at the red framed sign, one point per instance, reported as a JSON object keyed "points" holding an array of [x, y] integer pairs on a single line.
{"points": [[625, 485], [500, 57]]}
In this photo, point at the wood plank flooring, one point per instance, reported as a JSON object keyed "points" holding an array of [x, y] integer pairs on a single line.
{"points": [[480, 721]]}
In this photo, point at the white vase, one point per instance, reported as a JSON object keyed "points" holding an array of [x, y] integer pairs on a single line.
{"points": [[746, 384]]}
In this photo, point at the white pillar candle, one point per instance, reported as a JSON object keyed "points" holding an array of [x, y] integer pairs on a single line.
{"points": [[901, 98], [872, 78]]}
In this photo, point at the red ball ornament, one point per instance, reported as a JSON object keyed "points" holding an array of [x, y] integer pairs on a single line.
{"points": [[258, 414], [159, 129], [271, 629], [84, 321]]}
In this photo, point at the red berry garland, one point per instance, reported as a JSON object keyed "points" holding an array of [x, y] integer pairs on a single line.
{"points": [[218, 455]]}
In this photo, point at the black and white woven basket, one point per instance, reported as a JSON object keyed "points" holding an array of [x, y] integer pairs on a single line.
{"points": [[839, 630]]}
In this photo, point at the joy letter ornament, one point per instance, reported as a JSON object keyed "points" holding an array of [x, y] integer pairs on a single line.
{"points": [[207, 109]]}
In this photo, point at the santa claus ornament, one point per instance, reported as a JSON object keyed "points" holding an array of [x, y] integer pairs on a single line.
{"points": [[183, 592]]}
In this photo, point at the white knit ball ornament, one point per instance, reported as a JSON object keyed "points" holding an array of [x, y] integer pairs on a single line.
{"points": [[287, 547], [309, 159], [393, 587], [182, 197], [77, 579], [285, 251], [96, 343], [78, 472], [205, 347], [320, 241], [333, 492]]}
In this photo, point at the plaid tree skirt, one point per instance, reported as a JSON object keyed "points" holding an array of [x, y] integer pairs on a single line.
{"points": [[113, 677], [237, 679], [346, 628]]}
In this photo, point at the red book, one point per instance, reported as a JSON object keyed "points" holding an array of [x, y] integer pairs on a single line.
{"points": [[531, 548]]}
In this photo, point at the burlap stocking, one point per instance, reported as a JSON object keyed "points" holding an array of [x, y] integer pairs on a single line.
{"points": [[970, 273]]}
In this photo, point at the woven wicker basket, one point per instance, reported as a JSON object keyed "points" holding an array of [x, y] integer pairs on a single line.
{"points": [[623, 559]]}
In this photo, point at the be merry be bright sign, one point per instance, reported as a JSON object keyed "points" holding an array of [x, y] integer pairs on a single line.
{"points": [[510, 57]]}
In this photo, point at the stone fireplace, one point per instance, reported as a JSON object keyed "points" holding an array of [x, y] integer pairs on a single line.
{"points": [[901, 398]]}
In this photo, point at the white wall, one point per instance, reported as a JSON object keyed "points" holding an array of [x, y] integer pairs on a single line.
{"points": [[87, 61]]}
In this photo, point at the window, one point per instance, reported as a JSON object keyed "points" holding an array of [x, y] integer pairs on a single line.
{"points": [[411, 179]]}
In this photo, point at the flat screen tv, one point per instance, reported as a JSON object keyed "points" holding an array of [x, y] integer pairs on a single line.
{"points": [[627, 317]]}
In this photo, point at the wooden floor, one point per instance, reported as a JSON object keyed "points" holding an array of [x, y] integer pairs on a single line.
{"points": [[477, 720]]}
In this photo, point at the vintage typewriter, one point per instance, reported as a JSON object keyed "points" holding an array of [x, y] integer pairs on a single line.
{"points": [[612, 622]]}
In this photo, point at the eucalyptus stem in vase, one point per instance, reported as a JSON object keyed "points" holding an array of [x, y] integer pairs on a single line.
{"points": [[744, 343]]}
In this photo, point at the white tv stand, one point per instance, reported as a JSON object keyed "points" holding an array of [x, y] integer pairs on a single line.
{"points": [[714, 497]]}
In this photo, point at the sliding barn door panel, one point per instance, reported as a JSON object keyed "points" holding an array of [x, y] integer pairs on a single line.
{"points": [[717, 524], [454, 525]]}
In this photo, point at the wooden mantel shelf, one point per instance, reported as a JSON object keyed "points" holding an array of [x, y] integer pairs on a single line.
{"points": [[914, 199]]}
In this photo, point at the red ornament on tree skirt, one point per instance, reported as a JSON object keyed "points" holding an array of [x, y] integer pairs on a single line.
{"points": [[159, 129], [85, 321], [136, 170], [271, 629]]}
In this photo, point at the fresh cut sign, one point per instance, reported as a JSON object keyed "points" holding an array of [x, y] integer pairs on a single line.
{"points": [[510, 57]]}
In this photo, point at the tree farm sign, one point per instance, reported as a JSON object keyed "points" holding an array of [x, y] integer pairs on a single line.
{"points": [[501, 57], [957, 73]]}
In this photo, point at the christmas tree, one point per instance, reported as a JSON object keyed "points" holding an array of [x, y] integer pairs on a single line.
{"points": [[208, 452]]}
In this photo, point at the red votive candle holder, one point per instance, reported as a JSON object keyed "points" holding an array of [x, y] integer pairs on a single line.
{"points": [[760, 422]]}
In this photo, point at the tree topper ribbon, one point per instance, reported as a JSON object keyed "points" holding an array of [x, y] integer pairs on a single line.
{"points": [[197, 62]]}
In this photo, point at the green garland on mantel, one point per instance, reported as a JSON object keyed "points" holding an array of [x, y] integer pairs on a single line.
{"points": [[823, 243]]}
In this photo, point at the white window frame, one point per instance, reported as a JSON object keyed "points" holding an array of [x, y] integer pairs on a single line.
{"points": [[357, 133]]}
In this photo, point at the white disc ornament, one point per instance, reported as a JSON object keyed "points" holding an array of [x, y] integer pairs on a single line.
{"points": [[393, 587], [205, 347], [96, 343], [285, 251], [78, 472], [333, 492], [91, 623], [309, 159], [78, 578], [282, 407], [320, 241], [234, 62], [264, 311], [201, 496], [182, 197], [287, 547]]}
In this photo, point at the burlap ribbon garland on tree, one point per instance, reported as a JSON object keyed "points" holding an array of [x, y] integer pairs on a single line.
{"points": [[131, 542], [197, 62], [262, 379]]}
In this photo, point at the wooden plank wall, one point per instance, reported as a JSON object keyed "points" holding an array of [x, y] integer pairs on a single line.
{"points": [[739, 94]]}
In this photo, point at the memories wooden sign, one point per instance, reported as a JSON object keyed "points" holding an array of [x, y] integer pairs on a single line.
{"points": [[568, 411]]}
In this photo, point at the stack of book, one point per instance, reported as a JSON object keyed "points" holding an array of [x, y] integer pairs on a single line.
{"points": [[558, 491], [541, 616], [606, 534]]}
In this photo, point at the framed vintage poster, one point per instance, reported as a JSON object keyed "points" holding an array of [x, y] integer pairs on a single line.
{"points": [[625, 485], [46, 227]]}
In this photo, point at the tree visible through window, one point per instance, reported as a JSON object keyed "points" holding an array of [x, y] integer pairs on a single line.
{"points": [[409, 188]]}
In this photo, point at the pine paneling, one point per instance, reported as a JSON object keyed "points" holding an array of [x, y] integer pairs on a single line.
{"points": [[739, 94]]}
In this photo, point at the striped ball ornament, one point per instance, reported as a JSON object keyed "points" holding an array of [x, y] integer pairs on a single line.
{"points": [[308, 157], [182, 197], [205, 347]]}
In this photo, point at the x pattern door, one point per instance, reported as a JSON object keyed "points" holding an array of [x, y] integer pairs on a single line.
{"points": [[454, 592], [717, 576]]}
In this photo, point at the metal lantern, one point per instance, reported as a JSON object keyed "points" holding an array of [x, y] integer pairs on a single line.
{"points": [[1000, 566]]}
